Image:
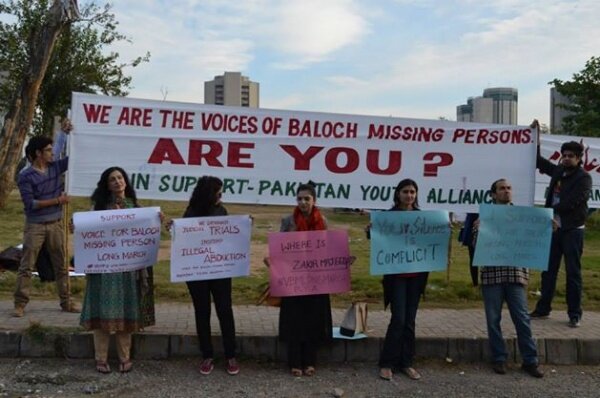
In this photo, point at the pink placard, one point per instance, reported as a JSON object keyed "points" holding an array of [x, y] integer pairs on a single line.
{"points": [[309, 262]]}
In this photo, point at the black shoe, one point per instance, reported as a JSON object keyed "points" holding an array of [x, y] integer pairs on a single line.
{"points": [[574, 322], [533, 370], [538, 315], [499, 367]]}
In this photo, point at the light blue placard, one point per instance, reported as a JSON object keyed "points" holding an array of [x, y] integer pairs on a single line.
{"points": [[409, 241], [516, 236]]}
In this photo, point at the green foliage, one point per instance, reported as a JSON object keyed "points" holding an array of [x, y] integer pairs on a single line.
{"points": [[584, 92], [81, 60]]}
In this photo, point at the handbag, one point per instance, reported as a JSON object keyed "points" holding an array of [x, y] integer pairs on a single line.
{"points": [[44, 265], [10, 258], [355, 319], [265, 298]]}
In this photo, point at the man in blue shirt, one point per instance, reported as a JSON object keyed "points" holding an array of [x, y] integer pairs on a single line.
{"points": [[41, 188]]}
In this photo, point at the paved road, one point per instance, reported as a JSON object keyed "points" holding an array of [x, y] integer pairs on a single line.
{"points": [[251, 320], [179, 378]]}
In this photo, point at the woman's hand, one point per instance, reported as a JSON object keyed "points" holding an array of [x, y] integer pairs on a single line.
{"points": [[368, 230], [476, 224]]}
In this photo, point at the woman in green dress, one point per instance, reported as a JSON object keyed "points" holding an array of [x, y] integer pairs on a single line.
{"points": [[121, 302]]}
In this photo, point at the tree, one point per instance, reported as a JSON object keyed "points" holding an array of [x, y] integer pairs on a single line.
{"points": [[46, 57], [584, 94], [80, 63]]}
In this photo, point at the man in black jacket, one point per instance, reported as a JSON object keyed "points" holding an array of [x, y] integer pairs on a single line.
{"points": [[567, 194]]}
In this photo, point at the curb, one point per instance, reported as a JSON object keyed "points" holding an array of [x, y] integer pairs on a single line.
{"points": [[551, 351]]}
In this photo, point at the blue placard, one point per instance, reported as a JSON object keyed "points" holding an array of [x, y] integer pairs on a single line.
{"points": [[513, 236], [409, 241]]}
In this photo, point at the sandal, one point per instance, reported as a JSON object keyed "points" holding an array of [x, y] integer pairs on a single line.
{"points": [[386, 373], [125, 366], [411, 373], [309, 371], [296, 372], [102, 367]]}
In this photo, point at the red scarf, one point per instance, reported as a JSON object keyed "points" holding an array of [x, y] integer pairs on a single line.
{"points": [[314, 222]]}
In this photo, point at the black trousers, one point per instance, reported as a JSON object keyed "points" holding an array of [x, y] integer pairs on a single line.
{"points": [[301, 354], [221, 293]]}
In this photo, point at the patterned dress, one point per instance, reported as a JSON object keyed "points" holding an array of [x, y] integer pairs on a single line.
{"points": [[121, 301]]}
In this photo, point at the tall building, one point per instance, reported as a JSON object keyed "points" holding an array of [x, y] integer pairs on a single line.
{"points": [[498, 105], [231, 89], [557, 113]]}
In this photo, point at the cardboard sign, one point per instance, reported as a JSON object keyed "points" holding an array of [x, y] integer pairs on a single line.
{"points": [[210, 248], [409, 241], [116, 240], [309, 262]]}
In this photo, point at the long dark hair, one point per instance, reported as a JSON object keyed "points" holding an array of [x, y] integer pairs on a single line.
{"points": [[204, 197], [102, 196], [404, 183]]}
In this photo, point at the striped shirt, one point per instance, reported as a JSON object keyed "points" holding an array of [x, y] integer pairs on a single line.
{"points": [[35, 185]]}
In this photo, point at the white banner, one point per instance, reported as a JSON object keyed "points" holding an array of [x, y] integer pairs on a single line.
{"points": [[116, 240], [262, 155], [550, 149], [210, 248]]}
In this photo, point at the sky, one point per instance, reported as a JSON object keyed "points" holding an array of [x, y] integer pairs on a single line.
{"points": [[402, 58]]}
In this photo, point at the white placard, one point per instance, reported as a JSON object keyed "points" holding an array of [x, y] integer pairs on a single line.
{"points": [[116, 240], [205, 248]]}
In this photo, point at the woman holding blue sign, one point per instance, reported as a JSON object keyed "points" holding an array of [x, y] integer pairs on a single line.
{"points": [[206, 202], [120, 302], [402, 292], [304, 321]]}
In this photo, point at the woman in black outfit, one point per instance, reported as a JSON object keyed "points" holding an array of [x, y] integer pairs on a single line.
{"points": [[304, 321], [206, 202]]}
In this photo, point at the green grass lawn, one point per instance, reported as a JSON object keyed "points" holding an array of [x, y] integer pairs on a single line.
{"points": [[450, 289]]}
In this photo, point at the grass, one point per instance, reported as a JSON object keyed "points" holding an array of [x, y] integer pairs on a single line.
{"points": [[450, 289]]}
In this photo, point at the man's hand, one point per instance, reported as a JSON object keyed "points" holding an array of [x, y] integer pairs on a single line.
{"points": [[66, 125], [535, 124], [62, 199]]}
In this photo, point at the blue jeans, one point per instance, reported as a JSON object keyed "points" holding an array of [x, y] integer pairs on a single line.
{"points": [[515, 296], [399, 345], [567, 243]]}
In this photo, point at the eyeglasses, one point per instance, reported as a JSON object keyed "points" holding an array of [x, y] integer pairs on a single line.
{"points": [[303, 198]]}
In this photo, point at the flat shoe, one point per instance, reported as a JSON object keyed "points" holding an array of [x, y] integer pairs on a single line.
{"points": [[385, 373], [296, 372], [411, 373], [309, 371]]}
